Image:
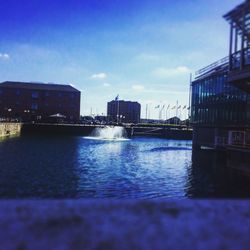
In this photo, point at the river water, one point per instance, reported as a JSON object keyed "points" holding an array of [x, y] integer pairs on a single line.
{"points": [[78, 167]]}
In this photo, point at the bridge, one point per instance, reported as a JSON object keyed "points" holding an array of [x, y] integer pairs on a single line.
{"points": [[164, 131]]}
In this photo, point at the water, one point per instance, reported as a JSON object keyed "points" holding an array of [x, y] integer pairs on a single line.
{"points": [[76, 167]]}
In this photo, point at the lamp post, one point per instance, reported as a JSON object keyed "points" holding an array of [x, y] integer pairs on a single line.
{"points": [[118, 111], [9, 113], [26, 111], [149, 108]]}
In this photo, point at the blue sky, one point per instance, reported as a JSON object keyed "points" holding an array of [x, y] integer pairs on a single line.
{"points": [[143, 50]]}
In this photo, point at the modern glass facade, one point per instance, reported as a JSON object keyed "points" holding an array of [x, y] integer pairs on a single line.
{"points": [[216, 102]]}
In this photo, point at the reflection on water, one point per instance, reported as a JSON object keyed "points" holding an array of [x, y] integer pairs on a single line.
{"points": [[209, 177], [74, 167], [128, 169], [38, 167]]}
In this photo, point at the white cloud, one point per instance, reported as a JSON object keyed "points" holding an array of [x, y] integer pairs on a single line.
{"points": [[99, 76], [138, 87], [4, 56], [168, 72], [106, 84]]}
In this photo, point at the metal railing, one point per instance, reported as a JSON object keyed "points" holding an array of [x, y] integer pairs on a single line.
{"points": [[212, 66], [237, 139], [236, 59]]}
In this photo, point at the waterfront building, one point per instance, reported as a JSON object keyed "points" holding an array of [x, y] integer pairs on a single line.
{"points": [[121, 111], [220, 105], [28, 101], [173, 120]]}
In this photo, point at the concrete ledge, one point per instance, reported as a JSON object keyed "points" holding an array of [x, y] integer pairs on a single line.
{"points": [[109, 224]]}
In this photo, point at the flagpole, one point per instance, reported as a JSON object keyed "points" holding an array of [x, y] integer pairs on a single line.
{"points": [[149, 110], [159, 113], [167, 111], [176, 112], [117, 116], [118, 107]]}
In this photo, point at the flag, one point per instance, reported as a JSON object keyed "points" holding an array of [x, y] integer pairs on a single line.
{"points": [[184, 106], [173, 107], [179, 107], [168, 106], [188, 107], [158, 106], [117, 98]]}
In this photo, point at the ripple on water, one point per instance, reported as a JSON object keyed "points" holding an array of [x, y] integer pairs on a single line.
{"points": [[76, 167]]}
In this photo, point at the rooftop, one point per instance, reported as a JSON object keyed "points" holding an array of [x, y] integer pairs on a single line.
{"points": [[38, 86], [240, 17], [238, 11], [124, 101]]}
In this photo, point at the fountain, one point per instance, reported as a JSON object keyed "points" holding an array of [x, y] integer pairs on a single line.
{"points": [[109, 133]]}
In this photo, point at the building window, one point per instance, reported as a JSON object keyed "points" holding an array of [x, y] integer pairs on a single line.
{"points": [[34, 106], [35, 94]]}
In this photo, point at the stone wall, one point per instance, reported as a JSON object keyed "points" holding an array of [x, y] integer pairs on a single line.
{"points": [[8, 128], [109, 224]]}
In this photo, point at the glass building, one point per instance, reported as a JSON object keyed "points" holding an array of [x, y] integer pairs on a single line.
{"points": [[220, 93], [216, 102]]}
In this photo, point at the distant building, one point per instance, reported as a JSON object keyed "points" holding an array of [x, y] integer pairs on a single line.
{"points": [[124, 111], [38, 101], [173, 120], [152, 121], [101, 118]]}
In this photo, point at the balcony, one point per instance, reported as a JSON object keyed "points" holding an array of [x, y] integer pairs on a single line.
{"points": [[220, 65], [239, 69], [239, 46]]}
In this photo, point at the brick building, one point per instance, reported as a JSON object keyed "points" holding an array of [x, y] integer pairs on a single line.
{"points": [[38, 101], [124, 111]]}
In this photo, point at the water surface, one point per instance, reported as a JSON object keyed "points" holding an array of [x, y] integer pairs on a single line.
{"points": [[76, 167]]}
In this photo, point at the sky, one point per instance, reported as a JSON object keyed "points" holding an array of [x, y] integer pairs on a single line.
{"points": [[141, 50]]}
